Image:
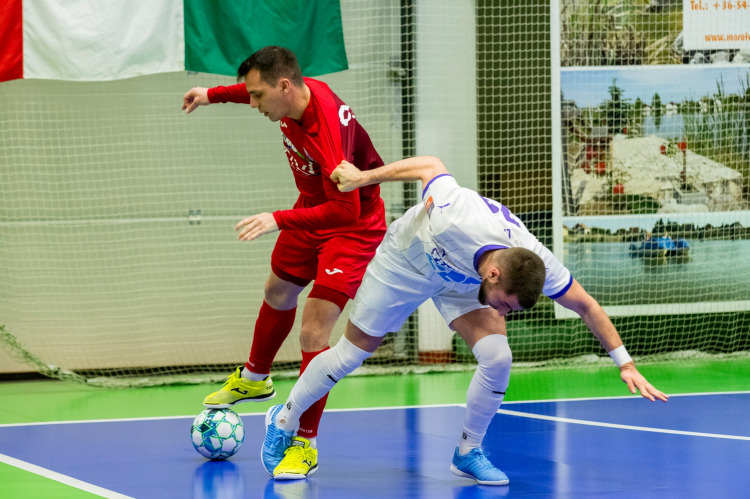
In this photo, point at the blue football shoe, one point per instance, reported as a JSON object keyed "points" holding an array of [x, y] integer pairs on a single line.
{"points": [[476, 465], [276, 442]]}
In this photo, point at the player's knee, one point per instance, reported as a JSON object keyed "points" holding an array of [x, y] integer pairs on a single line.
{"points": [[280, 295], [313, 339], [494, 358], [348, 357]]}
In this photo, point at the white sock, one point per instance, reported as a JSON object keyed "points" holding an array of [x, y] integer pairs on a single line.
{"points": [[486, 390], [245, 373], [322, 373]]}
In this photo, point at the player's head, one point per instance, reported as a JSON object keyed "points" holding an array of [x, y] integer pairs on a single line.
{"points": [[515, 280], [273, 63], [270, 75]]}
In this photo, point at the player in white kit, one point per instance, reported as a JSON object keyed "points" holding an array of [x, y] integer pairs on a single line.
{"points": [[477, 262]]}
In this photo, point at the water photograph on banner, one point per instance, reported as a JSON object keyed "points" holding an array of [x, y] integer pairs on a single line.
{"points": [[655, 170]]}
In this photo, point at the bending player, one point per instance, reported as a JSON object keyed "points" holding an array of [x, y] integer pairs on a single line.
{"points": [[329, 236], [477, 262]]}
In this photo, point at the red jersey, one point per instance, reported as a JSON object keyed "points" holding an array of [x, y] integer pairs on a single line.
{"points": [[327, 133]]}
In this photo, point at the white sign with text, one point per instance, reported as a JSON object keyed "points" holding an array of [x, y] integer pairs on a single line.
{"points": [[716, 24]]}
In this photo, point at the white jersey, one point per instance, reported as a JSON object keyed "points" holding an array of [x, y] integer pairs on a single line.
{"points": [[451, 229]]}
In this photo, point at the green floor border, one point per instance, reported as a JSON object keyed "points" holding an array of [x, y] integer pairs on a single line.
{"points": [[40, 401], [22, 484]]}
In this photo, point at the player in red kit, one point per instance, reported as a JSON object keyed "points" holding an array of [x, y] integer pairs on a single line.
{"points": [[328, 236]]}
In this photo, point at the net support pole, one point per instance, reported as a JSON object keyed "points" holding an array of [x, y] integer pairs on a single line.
{"points": [[446, 115], [557, 159]]}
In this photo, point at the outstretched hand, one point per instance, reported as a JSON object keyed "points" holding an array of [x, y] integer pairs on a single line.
{"points": [[255, 226], [347, 176], [197, 96], [636, 382]]}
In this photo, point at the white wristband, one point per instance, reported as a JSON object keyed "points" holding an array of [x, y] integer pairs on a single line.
{"points": [[620, 356]]}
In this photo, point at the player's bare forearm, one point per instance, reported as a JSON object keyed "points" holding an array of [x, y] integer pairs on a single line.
{"points": [[600, 325], [424, 168], [592, 314]]}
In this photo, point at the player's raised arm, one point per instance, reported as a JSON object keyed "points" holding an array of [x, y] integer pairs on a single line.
{"points": [[197, 96], [424, 168], [578, 300]]}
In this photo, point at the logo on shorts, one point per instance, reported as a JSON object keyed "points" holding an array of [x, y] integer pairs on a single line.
{"points": [[334, 271]]}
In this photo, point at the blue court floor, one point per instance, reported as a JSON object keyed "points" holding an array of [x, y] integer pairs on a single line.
{"points": [[692, 446]]}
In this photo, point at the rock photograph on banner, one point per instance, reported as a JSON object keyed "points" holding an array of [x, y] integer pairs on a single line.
{"points": [[658, 139]]}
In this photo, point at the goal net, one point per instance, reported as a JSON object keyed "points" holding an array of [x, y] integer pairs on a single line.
{"points": [[119, 263]]}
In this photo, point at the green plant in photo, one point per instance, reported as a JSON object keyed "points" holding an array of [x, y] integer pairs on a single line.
{"points": [[618, 33], [717, 126]]}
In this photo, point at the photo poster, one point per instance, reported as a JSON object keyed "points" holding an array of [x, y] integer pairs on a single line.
{"points": [[651, 188]]}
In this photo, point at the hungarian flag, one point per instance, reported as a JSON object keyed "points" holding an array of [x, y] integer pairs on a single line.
{"points": [[93, 40]]}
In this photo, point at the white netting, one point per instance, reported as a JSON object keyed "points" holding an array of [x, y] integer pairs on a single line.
{"points": [[117, 251]]}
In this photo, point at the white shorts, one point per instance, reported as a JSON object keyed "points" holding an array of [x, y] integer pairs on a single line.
{"points": [[393, 288]]}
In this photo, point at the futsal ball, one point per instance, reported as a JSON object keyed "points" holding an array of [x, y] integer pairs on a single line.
{"points": [[217, 433]]}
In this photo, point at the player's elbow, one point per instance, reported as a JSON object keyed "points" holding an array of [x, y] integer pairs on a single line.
{"points": [[432, 167], [587, 307], [435, 165]]}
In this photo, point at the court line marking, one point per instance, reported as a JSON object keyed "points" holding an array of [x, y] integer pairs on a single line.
{"points": [[354, 409], [243, 414], [64, 479], [631, 396], [619, 426]]}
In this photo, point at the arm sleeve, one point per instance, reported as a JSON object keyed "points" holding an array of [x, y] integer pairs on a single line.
{"points": [[440, 188], [234, 93], [558, 279], [341, 209]]}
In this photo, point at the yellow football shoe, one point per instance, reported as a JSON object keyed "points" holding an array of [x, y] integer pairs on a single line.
{"points": [[238, 389], [300, 460]]}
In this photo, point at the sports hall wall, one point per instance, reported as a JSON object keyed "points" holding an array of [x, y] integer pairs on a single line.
{"points": [[117, 249], [116, 225]]}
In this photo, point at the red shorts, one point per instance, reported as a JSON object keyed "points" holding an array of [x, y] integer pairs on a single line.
{"points": [[332, 258]]}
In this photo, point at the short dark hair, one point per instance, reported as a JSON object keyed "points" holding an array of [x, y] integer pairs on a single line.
{"points": [[272, 62], [523, 275]]}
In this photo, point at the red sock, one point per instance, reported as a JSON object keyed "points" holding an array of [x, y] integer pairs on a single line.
{"points": [[310, 419], [271, 329]]}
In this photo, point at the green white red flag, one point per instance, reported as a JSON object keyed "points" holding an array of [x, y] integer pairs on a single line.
{"points": [[96, 40]]}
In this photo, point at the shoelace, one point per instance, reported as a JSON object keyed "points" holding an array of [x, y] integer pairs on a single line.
{"points": [[281, 439], [230, 378], [483, 463], [295, 453], [277, 438]]}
